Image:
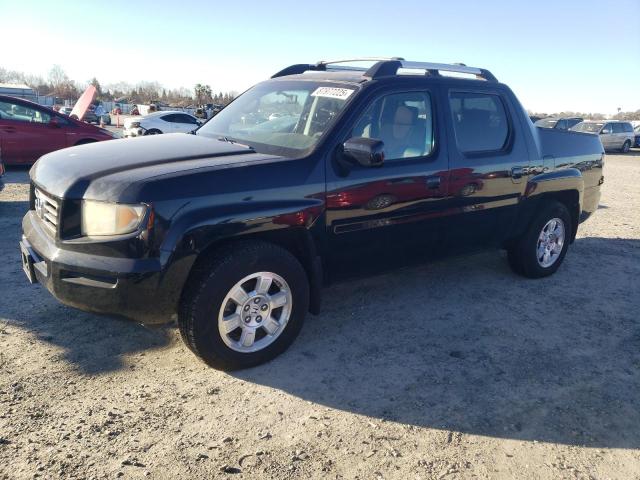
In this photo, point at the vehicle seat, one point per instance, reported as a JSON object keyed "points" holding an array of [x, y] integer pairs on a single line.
{"points": [[404, 134]]}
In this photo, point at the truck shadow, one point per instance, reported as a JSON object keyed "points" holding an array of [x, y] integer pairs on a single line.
{"points": [[90, 343], [465, 345]]}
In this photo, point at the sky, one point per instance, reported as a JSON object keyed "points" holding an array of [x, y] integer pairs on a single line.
{"points": [[555, 55]]}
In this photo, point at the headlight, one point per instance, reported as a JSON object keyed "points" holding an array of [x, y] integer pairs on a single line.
{"points": [[102, 218]]}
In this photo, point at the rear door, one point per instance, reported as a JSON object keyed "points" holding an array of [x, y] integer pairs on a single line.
{"points": [[378, 217], [489, 164], [27, 133]]}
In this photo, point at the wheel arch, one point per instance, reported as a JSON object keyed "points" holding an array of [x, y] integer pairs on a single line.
{"points": [[564, 186], [84, 141], [296, 240]]}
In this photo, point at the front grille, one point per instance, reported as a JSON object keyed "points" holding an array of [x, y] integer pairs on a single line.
{"points": [[47, 208]]}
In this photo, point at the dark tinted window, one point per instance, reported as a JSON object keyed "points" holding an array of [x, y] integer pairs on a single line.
{"points": [[618, 128], [169, 118], [182, 118], [627, 127], [562, 125], [479, 120]]}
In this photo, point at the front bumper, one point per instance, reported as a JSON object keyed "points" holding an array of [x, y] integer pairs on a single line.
{"points": [[138, 288], [133, 132]]}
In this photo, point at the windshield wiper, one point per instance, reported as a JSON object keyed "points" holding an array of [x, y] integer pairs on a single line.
{"points": [[234, 142]]}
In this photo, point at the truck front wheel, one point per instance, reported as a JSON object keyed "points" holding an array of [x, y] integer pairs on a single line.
{"points": [[541, 250], [244, 306]]}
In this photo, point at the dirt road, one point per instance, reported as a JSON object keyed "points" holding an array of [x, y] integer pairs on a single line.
{"points": [[495, 376]]}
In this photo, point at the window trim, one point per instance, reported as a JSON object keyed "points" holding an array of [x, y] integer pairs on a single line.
{"points": [[375, 96], [506, 148]]}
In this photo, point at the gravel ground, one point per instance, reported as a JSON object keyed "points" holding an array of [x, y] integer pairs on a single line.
{"points": [[503, 377]]}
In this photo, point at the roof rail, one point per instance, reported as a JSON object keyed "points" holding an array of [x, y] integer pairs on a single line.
{"points": [[385, 67]]}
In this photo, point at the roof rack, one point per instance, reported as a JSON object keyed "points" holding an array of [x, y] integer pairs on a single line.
{"points": [[389, 66]]}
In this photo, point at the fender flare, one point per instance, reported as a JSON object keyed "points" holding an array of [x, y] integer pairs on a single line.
{"points": [[565, 185]]}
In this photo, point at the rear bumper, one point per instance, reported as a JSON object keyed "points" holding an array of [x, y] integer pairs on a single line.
{"points": [[139, 289]]}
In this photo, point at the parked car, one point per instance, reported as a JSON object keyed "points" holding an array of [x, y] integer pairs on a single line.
{"points": [[236, 227], [91, 117], [29, 130], [160, 122], [615, 135], [65, 110], [636, 132], [558, 123]]}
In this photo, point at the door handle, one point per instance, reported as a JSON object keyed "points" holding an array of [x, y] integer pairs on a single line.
{"points": [[518, 172], [433, 182]]}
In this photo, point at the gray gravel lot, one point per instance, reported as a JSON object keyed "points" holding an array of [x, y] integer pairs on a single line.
{"points": [[504, 377]]}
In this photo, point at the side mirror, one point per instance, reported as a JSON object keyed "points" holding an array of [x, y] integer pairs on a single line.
{"points": [[605, 131], [55, 122], [368, 152]]}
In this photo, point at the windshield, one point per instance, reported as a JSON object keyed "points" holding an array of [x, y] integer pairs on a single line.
{"points": [[587, 127], [280, 117]]}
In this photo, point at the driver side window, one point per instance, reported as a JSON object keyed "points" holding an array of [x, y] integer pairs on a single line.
{"points": [[23, 113], [403, 121]]}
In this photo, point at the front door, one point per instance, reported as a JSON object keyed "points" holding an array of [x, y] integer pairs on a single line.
{"points": [[27, 133], [607, 137], [377, 216]]}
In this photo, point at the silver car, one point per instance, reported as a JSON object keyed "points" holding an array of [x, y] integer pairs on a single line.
{"points": [[614, 135]]}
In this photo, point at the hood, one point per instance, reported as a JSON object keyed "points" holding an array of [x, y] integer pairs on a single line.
{"points": [[102, 170]]}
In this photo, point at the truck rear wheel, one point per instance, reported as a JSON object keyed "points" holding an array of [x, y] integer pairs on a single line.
{"points": [[245, 306], [541, 250]]}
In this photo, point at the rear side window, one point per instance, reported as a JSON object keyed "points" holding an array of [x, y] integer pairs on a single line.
{"points": [[479, 121], [182, 118], [627, 127], [562, 125], [168, 118]]}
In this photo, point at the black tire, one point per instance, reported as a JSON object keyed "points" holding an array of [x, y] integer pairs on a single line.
{"points": [[626, 147], [522, 255], [153, 131], [212, 280]]}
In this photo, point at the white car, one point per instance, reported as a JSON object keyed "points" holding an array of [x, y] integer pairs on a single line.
{"points": [[160, 122]]}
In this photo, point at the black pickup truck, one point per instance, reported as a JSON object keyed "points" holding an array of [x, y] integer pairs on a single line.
{"points": [[320, 172]]}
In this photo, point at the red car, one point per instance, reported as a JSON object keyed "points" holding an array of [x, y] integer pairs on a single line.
{"points": [[29, 130]]}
